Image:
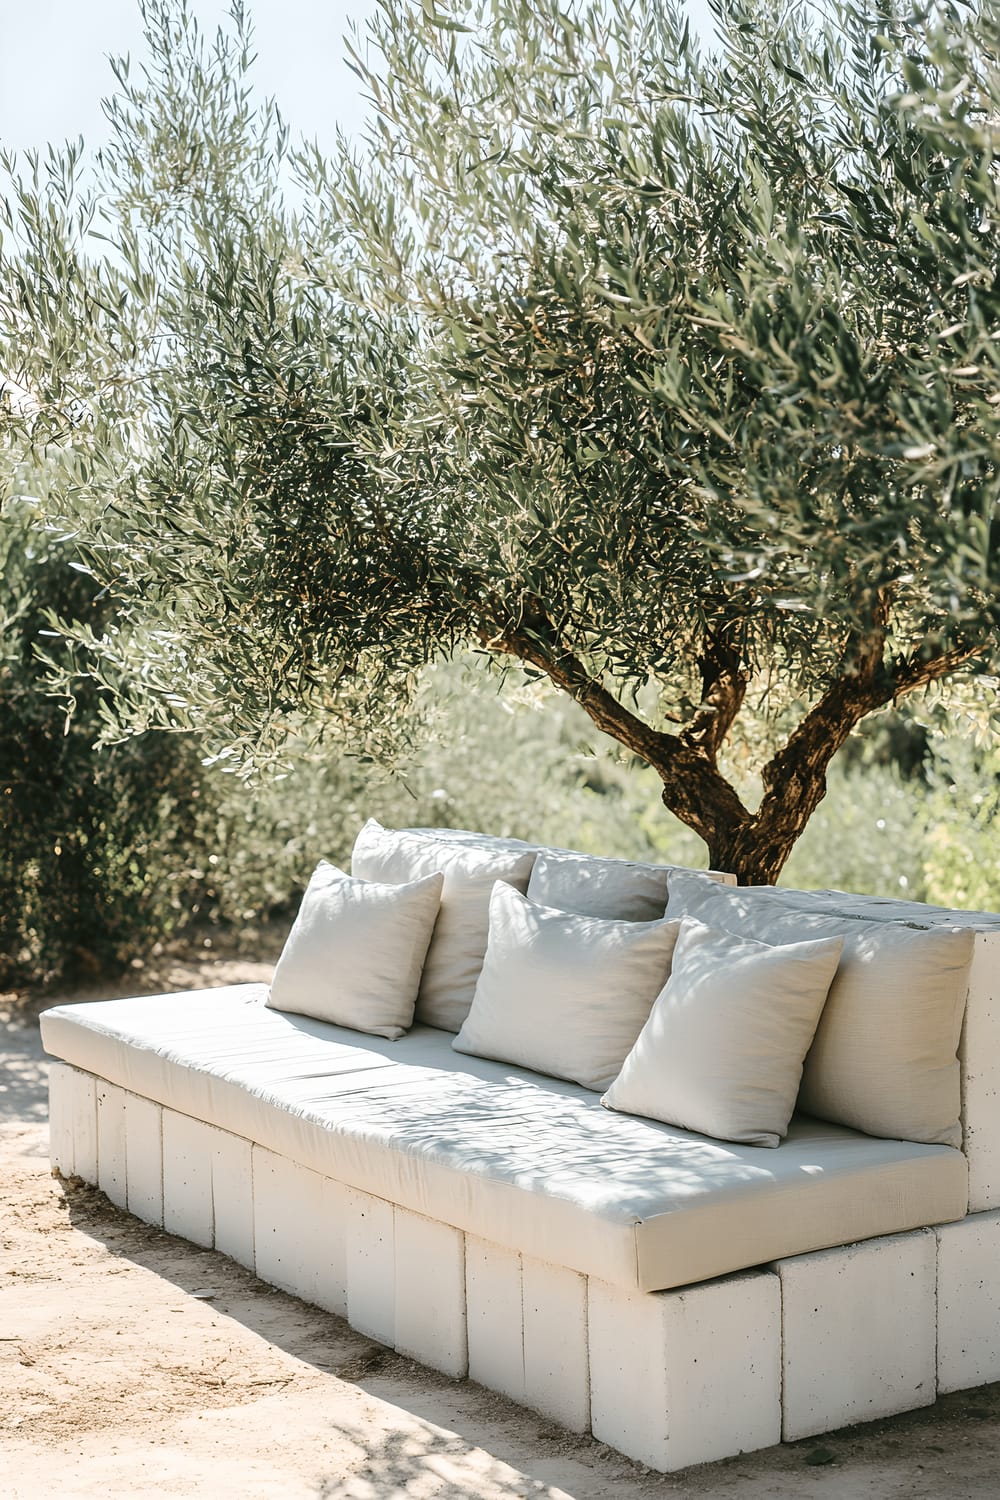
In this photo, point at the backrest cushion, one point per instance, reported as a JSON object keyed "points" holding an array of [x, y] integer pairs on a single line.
{"points": [[562, 993], [722, 1050], [884, 1058], [356, 951], [601, 887], [470, 864]]}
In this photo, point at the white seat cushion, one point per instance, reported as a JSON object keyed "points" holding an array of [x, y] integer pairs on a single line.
{"points": [[533, 1164]]}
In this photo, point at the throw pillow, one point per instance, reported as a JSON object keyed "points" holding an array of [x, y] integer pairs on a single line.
{"points": [[884, 1059], [470, 866], [596, 886], [722, 1051], [561, 993], [356, 951]]}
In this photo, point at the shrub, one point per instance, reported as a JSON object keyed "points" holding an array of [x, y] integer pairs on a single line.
{"points": [[95, 848]]}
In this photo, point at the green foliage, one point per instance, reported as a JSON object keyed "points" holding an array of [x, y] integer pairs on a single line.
{"points": [[962, 841], [706, 350], [663, 373], [869, 836], [94, 849]]}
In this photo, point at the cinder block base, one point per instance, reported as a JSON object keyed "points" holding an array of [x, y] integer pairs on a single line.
{"points": [[143, 1158], [280, 1218], [670, 1378], [496, 1322], [371, 1266], [232, 1197], [299, 1230], [62, 1151], [968, 1302], [429, 1293], [556, 1353], [111, 1142], [528, 1331], [685, 1377], [331, 1213], [187, 1178], [84, 1116], [858, 1332]]}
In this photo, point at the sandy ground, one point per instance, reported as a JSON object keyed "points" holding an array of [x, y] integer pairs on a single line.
{"points": [[133, 1364]]}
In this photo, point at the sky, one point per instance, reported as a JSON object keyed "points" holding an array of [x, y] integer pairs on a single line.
{"points": [[54, 70]]}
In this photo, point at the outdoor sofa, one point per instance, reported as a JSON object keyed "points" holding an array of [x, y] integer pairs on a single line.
{"points": [[682, 1296]]}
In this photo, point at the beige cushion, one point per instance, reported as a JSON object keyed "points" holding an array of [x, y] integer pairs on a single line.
{"points": [[597, 887], [600, 887], [530, 1163], [356, 950], [722, 1050], [884, 1059], [470, 864], [561, 993]]}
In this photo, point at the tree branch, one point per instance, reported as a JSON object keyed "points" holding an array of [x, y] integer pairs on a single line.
{"points": [[693, 787], [723, 689], [795, 777], [911, 673], [535, 640], [798, 769]]}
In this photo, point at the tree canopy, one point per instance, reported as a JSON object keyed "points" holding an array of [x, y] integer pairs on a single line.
{"points": [[669, 372]]}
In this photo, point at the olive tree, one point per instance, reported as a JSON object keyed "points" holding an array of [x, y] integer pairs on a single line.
{"points": [[667, 373]]}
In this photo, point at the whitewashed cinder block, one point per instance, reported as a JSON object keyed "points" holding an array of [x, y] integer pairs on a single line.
{"points": [[980, 1060], [331, 1215], [858, 1332], [556, 1354], [281, 1222], [111, 1166], [73, 1121], [496, 1321], [187, 1178], [299, 1220], [689, 1376], [62, 1089], [968, 1305], [143, 1159], [429, 1271], [84, 1113], [232, 1196], [371, 1272], [84, 1118]]}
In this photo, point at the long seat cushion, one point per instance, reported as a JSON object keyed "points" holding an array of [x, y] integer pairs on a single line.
{"points": [[522, 1160]]}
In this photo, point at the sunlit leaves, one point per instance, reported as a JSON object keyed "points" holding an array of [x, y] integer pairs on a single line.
{"points": [[684, 346]]}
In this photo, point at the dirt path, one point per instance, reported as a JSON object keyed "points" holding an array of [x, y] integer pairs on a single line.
{"points": [[134, 1365]]}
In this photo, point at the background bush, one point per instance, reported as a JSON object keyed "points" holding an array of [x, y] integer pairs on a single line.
{"points": [[94, 848]]}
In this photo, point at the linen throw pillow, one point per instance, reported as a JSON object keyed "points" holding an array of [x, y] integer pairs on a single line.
{"points": [[884, 1059], [355, 951], [722, 1051], [596, 886], [561, 993], [470, 864]]}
